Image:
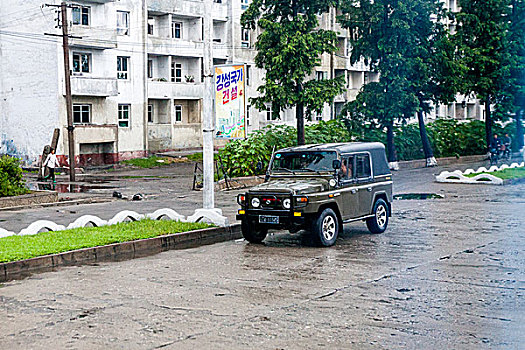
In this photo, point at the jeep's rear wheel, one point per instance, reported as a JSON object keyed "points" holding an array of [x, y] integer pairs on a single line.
{"points": [[253, 233], [326, 228], [379, 222]]}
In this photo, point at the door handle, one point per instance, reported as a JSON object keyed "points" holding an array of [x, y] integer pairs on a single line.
{"points": [[369, 189], [354, 191]]}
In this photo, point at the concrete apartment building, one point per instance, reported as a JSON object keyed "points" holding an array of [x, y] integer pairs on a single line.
{"points": [[136, 75]]}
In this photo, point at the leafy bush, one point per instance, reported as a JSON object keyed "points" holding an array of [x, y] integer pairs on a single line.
{"points": [[240, 157], [448, 138], [11, 181]]}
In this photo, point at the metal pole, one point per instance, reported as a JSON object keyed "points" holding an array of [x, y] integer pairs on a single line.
{"points": [[69, 102], [208, 122]]}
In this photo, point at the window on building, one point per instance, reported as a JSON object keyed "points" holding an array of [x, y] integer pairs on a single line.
{"points": [[122, 67], [178, 113], [322, 75], [122, 22], [318, 117], [245, 37], [81, 62], [81, 113], [150, 68], [176, 72], [176, 30], [151, 23], [150, 113], [270, 114], [248, 74], [80, 15], [124, 115], [248, 120], [245, 4], [363, 166]]}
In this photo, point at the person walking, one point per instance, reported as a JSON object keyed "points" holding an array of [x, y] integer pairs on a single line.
{"points": [[51, 163]]}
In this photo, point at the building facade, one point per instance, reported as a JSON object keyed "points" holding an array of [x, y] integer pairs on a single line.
{"points": [[136, 75]]}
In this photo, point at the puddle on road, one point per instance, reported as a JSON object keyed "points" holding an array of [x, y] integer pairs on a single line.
{"points": [[68, 188], [417, 196]]}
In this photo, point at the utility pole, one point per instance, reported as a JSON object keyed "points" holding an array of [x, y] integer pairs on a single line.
{"points": [[67, 78], [208, 122], [69, 102]]}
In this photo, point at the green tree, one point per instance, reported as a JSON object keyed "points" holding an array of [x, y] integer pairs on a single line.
{"points": [[289, 47], [483, 47], [407, 43], [402, 40], [517, 51], [434, 71]]}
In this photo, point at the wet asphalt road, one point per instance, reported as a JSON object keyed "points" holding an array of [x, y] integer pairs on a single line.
{"points": [[448, 273]]}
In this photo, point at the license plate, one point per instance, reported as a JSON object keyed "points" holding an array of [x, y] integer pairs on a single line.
{"points": [[268, 219]]}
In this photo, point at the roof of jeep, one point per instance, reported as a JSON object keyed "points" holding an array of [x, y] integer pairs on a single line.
{"points": [[345, 147]]}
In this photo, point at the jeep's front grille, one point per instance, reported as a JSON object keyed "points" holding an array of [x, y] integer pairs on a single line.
{"points": [[270, 201]]}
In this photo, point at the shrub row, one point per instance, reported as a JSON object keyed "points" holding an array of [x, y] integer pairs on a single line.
{"points": [[448, 138]]}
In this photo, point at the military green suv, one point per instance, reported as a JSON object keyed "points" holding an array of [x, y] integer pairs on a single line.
{"points": [[319, 188]]}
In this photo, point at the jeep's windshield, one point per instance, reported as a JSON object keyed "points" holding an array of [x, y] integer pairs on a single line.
{"points": [[307, 161]]}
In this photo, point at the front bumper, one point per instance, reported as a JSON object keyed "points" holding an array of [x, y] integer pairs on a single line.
{"points": [[287, 218]]}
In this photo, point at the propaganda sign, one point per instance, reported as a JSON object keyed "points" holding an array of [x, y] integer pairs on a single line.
{"points": [[230, 103]]}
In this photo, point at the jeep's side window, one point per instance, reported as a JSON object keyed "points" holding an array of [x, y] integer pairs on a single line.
{"points": [[363, 166], [346, 170]]}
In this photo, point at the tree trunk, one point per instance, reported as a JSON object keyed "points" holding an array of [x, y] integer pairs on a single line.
{"points": [[519, 129], [299, 114], [488, 122], [427, 148], [391, 147]]}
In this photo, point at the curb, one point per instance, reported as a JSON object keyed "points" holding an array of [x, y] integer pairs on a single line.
{"points": [[34, 198], [91, 200], [118, 251]]}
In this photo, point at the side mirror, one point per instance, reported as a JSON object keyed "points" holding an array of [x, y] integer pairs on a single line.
{"points": [[259, 166], [336, 164]]}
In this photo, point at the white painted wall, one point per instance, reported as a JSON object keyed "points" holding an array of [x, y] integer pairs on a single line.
{"points": [[28, 90]]}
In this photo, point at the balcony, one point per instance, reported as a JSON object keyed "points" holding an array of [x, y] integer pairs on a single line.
{"points": [[94, 38], [220, 50], [89, 86], [341, 62], [169, 46], [180, 7], [183, 91], [220, 11]]}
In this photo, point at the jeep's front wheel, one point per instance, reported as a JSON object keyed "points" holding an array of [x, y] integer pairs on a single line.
{"points": [[253, 233], [326, 228], [379, 222]]}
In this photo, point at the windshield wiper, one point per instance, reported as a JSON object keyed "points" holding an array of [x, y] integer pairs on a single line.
{"points": [[285, 169], [310, 169]]}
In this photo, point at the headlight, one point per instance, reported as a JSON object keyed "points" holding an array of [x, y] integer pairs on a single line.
{"points": [[301, 201], [240, 199], [287, 203], [256, 202], [332, 182]]}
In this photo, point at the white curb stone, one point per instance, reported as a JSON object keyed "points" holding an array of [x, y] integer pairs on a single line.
{"points": [[457, 176], [36, 226], [211, 216], [83, 221], [169, 213], [125, 214]]}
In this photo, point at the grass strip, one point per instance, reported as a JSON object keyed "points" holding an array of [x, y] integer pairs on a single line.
{"points": [[146, 163], [14, 248], [505, 174]]}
